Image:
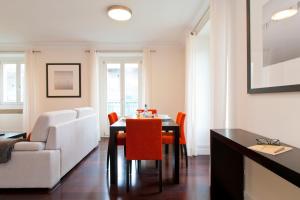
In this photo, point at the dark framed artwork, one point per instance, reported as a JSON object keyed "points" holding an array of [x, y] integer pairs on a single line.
{"points": [[273, 46], [63, 80]]}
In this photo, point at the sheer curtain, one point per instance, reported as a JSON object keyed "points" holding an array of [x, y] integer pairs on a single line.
{"points": [[104, 124], [208, 86], [146, 78], [222, 61], [31, 103], [198, 94], [94, 85]]}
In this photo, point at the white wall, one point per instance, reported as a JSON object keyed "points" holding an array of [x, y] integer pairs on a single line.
{"points": [[271, 115], [168, 80], [62, 55], [167, 77], [55, 55]]}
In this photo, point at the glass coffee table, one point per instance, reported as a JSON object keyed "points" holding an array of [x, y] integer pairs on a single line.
{"points": [[12, 134]]}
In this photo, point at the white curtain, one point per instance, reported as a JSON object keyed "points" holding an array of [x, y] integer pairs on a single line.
{"points": [[198, 94], [31, 103], [104, 123], [94, 85], [208, 86], [222, 62], [146, 78]]}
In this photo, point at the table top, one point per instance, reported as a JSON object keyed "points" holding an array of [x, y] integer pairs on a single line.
{"points": [[287, 164], [11, 134], [162, 117], [165, 123]]}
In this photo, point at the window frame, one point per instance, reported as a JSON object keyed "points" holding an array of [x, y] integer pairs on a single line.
{"points": [[122, 60], [18, 104]]}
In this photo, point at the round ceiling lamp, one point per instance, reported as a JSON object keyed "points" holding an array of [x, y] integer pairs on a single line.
{"points": [[284, 14], [119, 13]]}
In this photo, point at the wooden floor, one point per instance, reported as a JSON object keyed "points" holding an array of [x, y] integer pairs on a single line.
{"points": [[89, 180]]}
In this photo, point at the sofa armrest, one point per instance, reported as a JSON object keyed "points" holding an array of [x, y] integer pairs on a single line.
{"points": [[29, 146]]}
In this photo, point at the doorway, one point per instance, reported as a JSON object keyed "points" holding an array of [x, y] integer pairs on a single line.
{"points": [[123, 86]]}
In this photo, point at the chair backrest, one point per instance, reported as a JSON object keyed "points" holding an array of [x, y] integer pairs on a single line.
{"points": [[153, 111], [181, 124], [112, 117], [178, 118], [143, 139]]}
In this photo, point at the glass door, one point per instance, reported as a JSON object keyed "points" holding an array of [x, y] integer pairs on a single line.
{"points": [[131, 92], [114, 87], [123, 87]]}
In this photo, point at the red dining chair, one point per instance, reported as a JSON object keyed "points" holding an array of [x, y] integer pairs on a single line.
{"points": [[121, 136], [169, 139], [153, 111], [143, 142], [170, 133], [178, 118]]}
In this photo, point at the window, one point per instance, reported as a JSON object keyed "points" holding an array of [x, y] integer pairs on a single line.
{"points": [[123, 86], [12, 71], [131, 76]]}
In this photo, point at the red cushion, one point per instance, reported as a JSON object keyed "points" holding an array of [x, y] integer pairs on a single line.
{"points": [[170, 140]]}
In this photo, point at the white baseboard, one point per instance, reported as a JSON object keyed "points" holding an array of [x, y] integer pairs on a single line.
{"points": [[201, 150]]}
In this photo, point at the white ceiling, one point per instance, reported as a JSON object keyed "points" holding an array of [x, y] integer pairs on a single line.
{"points": [[44, 21]]}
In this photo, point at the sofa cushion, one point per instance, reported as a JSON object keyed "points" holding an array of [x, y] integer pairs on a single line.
{"points": [[84, 111], [46, 120], [29, 146]]}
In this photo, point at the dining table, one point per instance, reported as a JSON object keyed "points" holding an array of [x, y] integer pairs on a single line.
{"points": [[168, 124]]}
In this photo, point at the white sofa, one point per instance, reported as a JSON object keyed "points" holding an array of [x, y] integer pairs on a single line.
{"points": [[59, 140]]}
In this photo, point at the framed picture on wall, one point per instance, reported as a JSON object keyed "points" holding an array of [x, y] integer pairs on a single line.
{"points": [[273, 42], [63, 80]]}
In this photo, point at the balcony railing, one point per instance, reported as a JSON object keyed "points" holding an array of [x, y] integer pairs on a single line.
{"points": [[130, 108]]}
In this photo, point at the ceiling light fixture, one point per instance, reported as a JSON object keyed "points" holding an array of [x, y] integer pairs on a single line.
{"points": [[286, 13], [119, 13]]}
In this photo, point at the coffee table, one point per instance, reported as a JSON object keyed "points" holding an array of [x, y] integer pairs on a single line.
{"points": [[12, 134]]}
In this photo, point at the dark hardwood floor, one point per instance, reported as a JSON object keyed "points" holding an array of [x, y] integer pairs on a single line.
{"points": [[88, 180]]}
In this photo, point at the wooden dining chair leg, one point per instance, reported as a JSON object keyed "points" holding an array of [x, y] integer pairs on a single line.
{"points": [[125, 150], [139, 166], [186, 157], [128, 163], [130, 169], [107, 160], [107, 156], [166, 149], [130, 172], [181, 150], [160, 175]]}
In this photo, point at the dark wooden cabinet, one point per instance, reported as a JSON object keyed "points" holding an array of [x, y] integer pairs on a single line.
{"points": [[228, 148]]}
